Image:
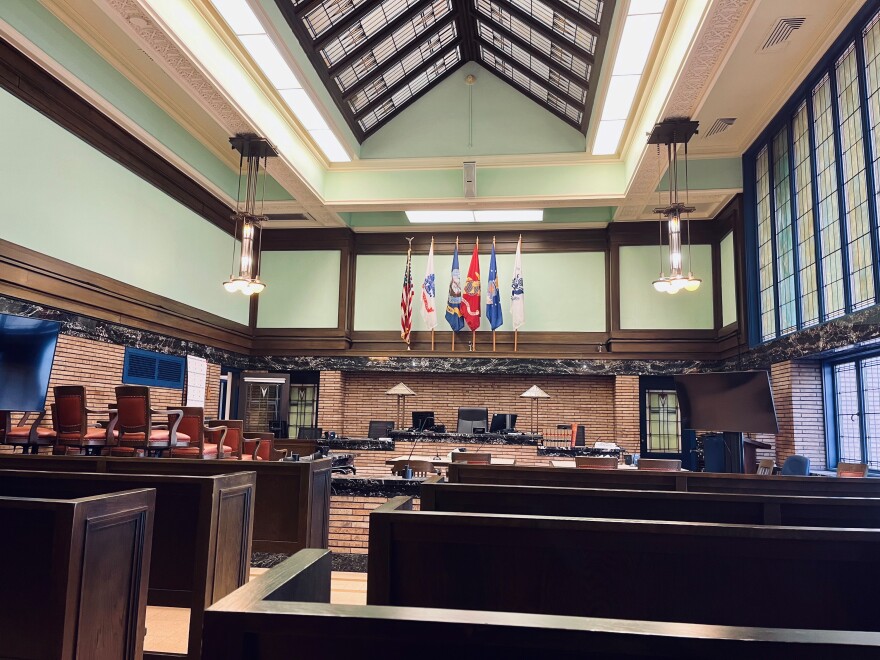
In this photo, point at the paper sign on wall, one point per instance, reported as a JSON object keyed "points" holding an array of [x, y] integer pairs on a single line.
{"points": [[196, 378]]}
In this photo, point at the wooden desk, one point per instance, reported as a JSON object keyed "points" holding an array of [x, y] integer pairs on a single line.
{"points": [[750, 454], [447, 460]]}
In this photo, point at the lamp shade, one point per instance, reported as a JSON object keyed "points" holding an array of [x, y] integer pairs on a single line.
{"points": [[400, 390], [535, 392]]}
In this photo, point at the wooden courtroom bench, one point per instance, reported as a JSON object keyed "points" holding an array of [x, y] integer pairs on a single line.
{"points": [[73, 580], [705, 573], [288, 608], [700, 482], [292, 504], [744, 509], [201, 535]]}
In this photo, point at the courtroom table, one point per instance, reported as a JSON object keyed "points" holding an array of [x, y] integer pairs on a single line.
{"points": [[445, 461]]}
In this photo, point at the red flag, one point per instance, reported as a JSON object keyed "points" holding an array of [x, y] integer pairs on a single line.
{"points": [[471, 298]]}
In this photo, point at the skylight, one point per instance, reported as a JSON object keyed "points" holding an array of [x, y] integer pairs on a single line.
{"points": [[463, 217]]}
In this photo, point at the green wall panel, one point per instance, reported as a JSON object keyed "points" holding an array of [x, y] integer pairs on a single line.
{"points": [[643, 308], [728, 281], [302, 289], [564, 292], [68, 201]]}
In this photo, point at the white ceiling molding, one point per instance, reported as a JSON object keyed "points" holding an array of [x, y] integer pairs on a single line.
{"points": [[138, 23]]}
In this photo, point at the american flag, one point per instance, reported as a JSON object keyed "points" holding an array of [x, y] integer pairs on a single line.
{"points": [[406, 298]]}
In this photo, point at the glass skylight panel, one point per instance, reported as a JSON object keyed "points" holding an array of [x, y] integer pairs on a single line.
{"points": [[374, 21], [399, 70], [406, 93], [545, 15], [591, 9], [388, 47], [535, 89], [521, 30], [537, 67], [327, 14]]}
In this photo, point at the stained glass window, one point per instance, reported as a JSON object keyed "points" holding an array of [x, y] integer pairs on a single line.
{"points": [[805, 223], [765, 246], [785, 289], [871, 41]]}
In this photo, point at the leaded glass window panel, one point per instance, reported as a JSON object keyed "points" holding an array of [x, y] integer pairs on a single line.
{"points": [[784, 240], [805, 224], [765, 246]]}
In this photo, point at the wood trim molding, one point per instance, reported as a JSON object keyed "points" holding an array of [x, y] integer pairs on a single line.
{"points": [[35, 277], [33, 85]]}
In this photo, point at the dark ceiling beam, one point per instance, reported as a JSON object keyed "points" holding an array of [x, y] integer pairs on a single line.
{"points": [[402, 55], [544, 31], [367, 45], [415, 98], [574, 16], [535, 54], [577, 104], [309, 6], [407, 79], [601, 46]]}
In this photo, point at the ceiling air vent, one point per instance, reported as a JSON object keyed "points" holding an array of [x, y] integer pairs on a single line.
{"points": [[720, 125], [782, 31], [470, 179]]}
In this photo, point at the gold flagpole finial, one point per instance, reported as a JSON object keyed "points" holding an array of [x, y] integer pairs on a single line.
{"points": [[456, 241]]}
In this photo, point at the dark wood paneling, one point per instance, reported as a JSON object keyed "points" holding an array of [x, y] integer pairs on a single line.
{"points": [[669, 571], [74, 575], [32, 84], [38, 278]]}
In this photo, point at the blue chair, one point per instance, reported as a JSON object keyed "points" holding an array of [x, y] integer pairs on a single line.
{"points": [[796, 466]]}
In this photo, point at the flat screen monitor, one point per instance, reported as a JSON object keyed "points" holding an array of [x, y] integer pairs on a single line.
{"points": [[502, 421], [727, 401], [422, 419], [27, 349], [472, 418]]}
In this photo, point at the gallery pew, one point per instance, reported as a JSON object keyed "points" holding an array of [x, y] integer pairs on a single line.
{"points": [[287, 608], [292, 504], [737, 575], [73, 579], [698, 482], [734, 508], [201, 534]]}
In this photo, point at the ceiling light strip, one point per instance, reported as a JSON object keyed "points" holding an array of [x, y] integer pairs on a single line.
{"points": [[272, 62], [465, 217], [636, 41]]}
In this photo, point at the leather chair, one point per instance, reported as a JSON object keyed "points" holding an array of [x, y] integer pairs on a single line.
{"points": [[419, 468], [596, 462], [578, 435], [136, 431], [660, 464], [766, 466], [234, 441], [796, 466], [852, 470], [204, 441], [30, 436], [472, 458], [70, 419], [263, 447]]}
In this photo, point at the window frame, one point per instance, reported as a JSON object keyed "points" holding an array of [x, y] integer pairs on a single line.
{"points": [[854, 34], [830, 399]]}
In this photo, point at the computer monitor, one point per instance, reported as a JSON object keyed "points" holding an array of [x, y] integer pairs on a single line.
{"points": [[472, 418], [502, 422], [379, 429], [422, 419]]}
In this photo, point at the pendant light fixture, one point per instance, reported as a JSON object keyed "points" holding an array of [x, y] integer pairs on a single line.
{"points": [[254, 152], [672, 133]]}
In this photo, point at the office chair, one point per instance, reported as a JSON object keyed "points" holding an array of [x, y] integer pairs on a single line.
{"points": [[796, 466], [472, 418]]}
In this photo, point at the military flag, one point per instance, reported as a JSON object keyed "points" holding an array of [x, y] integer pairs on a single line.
{"points": [[453, 302], [517, 296], [471, 299]]}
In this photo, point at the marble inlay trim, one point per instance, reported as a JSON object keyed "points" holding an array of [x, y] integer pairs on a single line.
{"points": [[374, 487]]}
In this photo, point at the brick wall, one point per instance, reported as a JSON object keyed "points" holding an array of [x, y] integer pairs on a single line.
{"points": [[98, 366], [350, 522], [797, 392], [353, 399], [627, 413]]}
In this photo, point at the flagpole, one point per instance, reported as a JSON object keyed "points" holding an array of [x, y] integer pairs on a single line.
{"points": [[493, 329], [474, 332], [408, 259], [435, 304], [453, 332], [516, 331]]}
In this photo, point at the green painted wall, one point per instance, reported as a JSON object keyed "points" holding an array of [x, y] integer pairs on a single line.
{"points": [[505, 121], [41, 27], [643, 308], [551, 216], [68, 201], [302, 289], [706, 174], [564, 292], [728, 281]]}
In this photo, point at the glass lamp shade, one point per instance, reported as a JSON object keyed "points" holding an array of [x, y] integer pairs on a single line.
{"points": [[661, 285], [257, 285], [234, 284], [692, 283]]}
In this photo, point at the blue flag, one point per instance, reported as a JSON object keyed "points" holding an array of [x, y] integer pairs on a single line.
{"points": [[453, 303], [493, 297]]}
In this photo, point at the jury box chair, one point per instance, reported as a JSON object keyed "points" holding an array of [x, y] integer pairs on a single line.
{"points": [[27, 434], [204, 441], [136, 431], [70, 419], [233, 441]]}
